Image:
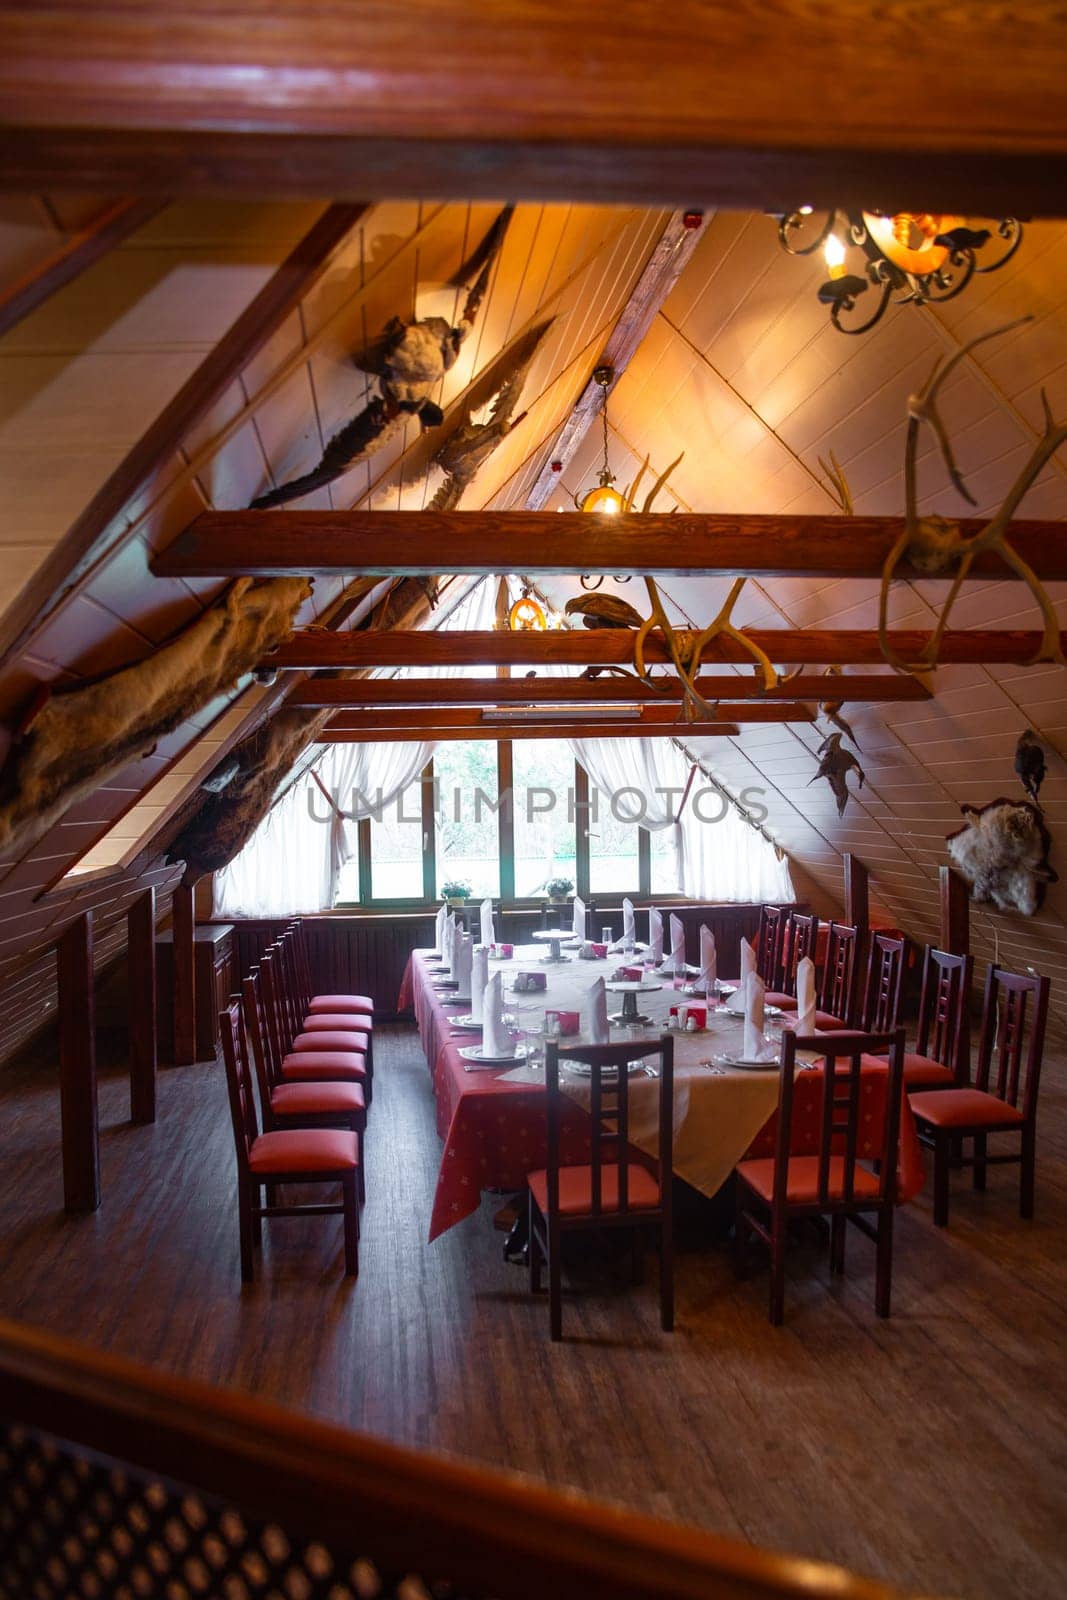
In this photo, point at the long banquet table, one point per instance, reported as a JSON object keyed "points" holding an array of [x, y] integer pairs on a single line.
{"points": [[492, 1122]]}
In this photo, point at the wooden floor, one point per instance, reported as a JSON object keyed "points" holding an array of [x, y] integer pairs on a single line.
{"points": [[929, 1450]]}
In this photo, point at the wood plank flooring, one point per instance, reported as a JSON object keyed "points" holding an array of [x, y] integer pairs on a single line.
{"points": [[929, 1450]]}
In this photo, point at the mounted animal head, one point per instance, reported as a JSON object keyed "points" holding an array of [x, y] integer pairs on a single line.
{"points": [[1002, 850]]}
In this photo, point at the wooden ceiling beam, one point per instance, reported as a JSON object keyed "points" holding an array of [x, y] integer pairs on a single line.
{"points": [[637, 719], [103, 526], [496, 733], [75, 255], [747, 106], [450, 692], [224, 544], [310, 650]]}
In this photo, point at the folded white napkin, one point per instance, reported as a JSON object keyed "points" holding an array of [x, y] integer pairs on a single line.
{"points": [[479, 979], [709, 961], [462, 962], [496, 1040], [655, 936], [629, 927], [448, 948], [806, 996], [488, 935], [748, 960], [756, 1048], [677, 944], [579, 917], [439, 930], [596, 1027]]}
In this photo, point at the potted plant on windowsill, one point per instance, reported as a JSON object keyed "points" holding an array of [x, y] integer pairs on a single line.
{"points": [[559, 890], [456, 893]]}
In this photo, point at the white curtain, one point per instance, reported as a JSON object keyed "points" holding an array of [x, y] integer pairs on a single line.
{"points": [[720, 856], [619, 767]]}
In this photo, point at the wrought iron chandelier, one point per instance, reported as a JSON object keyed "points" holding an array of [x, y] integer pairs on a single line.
{"points": [[920, 258]]}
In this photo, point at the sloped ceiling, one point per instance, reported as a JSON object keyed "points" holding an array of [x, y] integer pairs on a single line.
{"points": [[740, 370]]}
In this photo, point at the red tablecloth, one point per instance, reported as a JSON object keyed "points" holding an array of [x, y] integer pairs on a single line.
{"points": [[494, 1131]]}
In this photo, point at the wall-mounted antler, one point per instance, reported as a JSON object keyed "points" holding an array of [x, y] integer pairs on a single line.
{"points": [[936, 546]]}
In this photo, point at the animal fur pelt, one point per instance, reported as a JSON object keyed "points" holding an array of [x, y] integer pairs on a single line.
{"points": [[225, 822], [409, 360], [1002, 850], [84, 736]]}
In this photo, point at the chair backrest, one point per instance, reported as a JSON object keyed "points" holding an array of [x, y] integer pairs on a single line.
{"points": [[841, 1110], [296, 939], [257, 1034], [279, 1032], [1006, 1040], [769, 944], [799, 939], [285, 980], [838, 992], [885, 980], [609, 1114], [238, 1080], [943, 1009]]}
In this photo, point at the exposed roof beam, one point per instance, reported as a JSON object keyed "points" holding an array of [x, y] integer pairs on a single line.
{"points": [[415, 543], [77, 253], [745, 105], [448, 692], [578, 647], [495, 732], [662, 270], [637, 718], [101, 527]]}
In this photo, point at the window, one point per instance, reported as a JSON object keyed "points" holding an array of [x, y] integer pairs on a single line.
{"points": [[504, 817], [543, 790]]}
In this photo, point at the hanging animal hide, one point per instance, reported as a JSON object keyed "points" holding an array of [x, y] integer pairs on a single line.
{"points": [[1002, 850], [225, 822], [409, 360], [81, 738]]}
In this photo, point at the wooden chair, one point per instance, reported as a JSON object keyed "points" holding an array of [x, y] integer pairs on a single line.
{"points": [[940, 1060], [307, 1156], [307, 1103], [799, 939], [329, 1057], [773, 1192], [946, 1117], [614, 1190], [886, 960], [837, 996], [305, 1021], [769, 944], [361, 1004], [331, 1031]]}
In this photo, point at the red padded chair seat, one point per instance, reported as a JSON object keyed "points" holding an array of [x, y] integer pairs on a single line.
{"points": [[336, 1022], [330, 1039], [779, 998], [324, 1066], [342, 1002], [826, 1022], [576, 1190], [310, 1098], [304, 1150], [803, 1180], [920, 1072], [965, 1108]]}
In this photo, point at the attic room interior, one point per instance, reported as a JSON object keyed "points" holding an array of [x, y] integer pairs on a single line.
{"points": [[533, 929]]}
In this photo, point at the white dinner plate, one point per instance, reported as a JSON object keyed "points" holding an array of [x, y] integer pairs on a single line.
{"points": [[726, 1060], [583, 1069], [464, 1023], [768, 1011], [477, 1057], [456, 1000]]}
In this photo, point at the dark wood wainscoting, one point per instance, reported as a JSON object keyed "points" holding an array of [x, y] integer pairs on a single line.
{"points": [[366, 953]]}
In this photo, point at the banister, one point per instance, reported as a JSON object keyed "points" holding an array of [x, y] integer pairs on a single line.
{"points": [[488, 1533]]}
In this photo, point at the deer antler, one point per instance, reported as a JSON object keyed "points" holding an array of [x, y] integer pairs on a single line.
{"points": [[935, 544]]}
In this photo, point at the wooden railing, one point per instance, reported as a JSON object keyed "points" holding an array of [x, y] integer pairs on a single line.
{"points": [[207, 1483]]}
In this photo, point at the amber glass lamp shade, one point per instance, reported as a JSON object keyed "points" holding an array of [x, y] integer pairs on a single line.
{"points": [[604, 499], [526, 616]]}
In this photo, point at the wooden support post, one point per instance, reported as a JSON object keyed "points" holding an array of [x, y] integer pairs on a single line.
{"points": [[858, 915], [141, 1005], [77, 1067], [184, 977], [955, 913]]}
